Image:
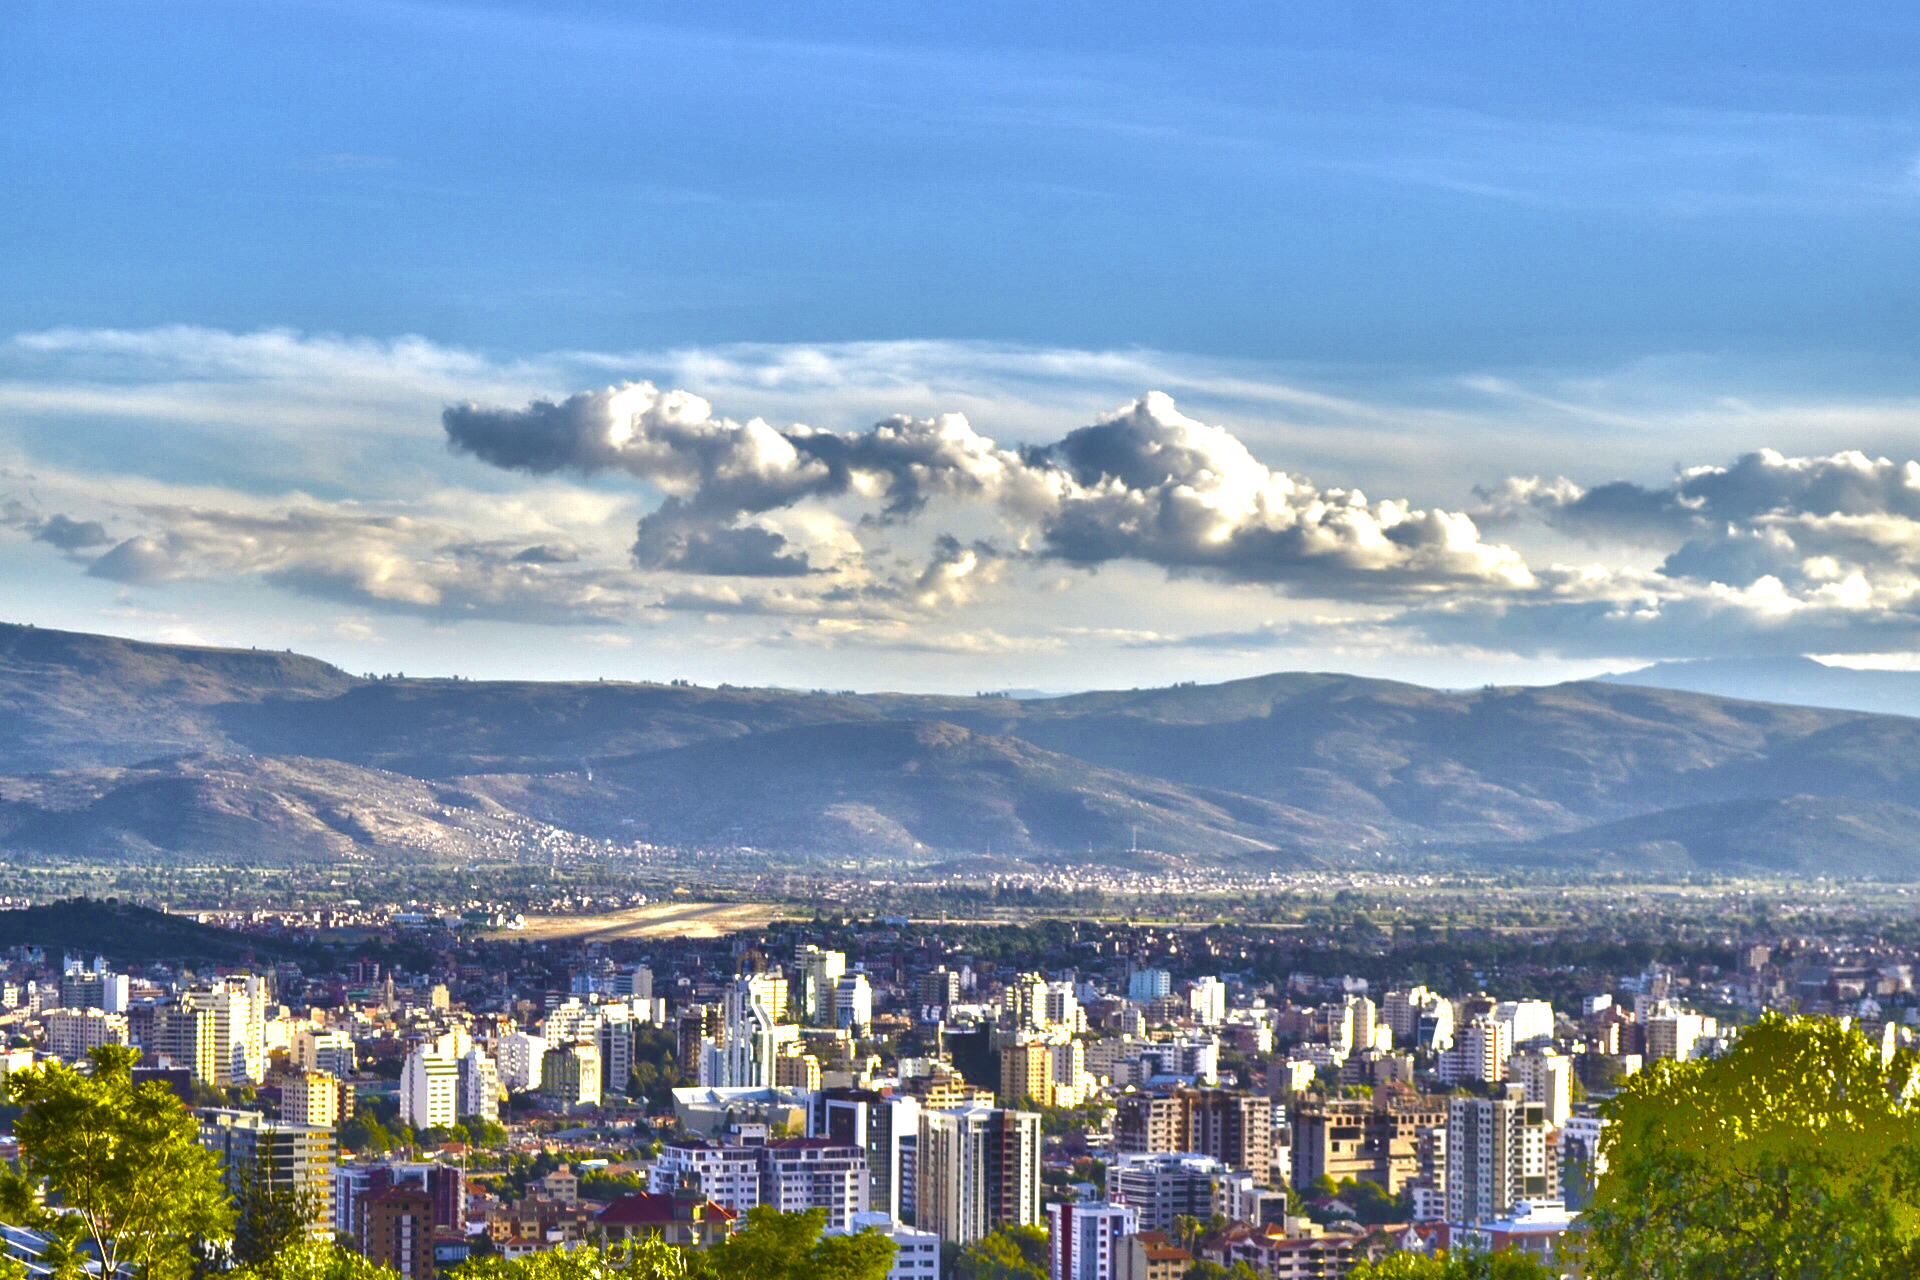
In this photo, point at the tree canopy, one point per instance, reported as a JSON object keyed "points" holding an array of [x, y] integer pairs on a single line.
{"points": [[124, 1162], [1796, 1156], [1507, 1265]]}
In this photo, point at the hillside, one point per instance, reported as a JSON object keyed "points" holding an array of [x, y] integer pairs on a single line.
{"points": [[153, 750], [129, 934]]}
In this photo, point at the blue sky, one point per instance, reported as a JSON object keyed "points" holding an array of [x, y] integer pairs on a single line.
{"points": [[1428, 251]]}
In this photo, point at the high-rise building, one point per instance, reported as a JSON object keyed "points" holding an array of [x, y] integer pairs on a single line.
{"points": [[887, 1128], [618, 1029], [310, 1098], [72, 1033], [1165, 1187], [1147, 985], [937, 990], [315, 1050], [94, 989], [238, 1005], [1401, 1011], [1497, 1154], [396, 1231], [801, 1174], [181, 1035], [817, 975], [1208, 1000], [1548, 1079], [751, 1035], [570, 1075], [1083, 1238], [853, 1004], [1480, 1052], [1234, 1128], [1026, 1073], [1531, 1021], [518, 1060], [430, 1088], [1677, 1035], [728, 1174], [916, 1253], [480, 1091], [635, 983], [292, 1158], [1379, 1140], [978, 1171]]}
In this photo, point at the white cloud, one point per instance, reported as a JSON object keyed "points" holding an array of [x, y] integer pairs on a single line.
{"points": [[908, 523]]}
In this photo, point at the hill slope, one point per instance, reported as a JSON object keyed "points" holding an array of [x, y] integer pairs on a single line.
{"points": [[151, 749]]}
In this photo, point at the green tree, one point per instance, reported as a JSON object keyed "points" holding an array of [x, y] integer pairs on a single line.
{"points": [[1011, 1253], [1204, 1270], [651, 1259], [1795, 1156], [268, 1218], [788, 1246], [1455, 1266], [365, 1133], [125, 1163], [314, 1260]]}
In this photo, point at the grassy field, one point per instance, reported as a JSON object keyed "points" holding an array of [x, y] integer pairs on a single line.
{"points": [[658, 920]]}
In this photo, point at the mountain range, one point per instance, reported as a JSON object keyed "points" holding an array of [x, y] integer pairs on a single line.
{"points": [[1797, 680], [119, 749]]}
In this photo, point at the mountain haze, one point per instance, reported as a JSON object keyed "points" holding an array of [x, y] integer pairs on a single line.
{"points": [[125, 749]]}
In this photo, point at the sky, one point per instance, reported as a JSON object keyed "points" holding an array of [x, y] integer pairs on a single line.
{"points": [[967, 347]]}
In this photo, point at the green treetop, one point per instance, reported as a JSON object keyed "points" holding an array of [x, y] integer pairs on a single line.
{"points": [[123, 1163], [1796, 1156]]}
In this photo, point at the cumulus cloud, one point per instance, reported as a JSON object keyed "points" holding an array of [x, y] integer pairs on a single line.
{"points": [[1144, 484]]}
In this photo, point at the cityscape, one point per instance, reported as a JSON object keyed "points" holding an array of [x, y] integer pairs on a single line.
{"points": [[982, 641], [1120, 1099]]}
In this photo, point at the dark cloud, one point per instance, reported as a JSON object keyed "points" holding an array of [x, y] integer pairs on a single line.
{"points": [[71, 535], [547, 553], [678, 539]]}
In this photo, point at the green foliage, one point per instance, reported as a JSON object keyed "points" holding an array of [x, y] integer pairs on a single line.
{"points": [[1794, 1157], [124, 1163], [1204, 1270], [484, 1133], [1456, 1266], [650, 1259], [598, 1185], [268, 1219], [314, 1260], [788, 1246], [1011, 1253], [364, 1134]]}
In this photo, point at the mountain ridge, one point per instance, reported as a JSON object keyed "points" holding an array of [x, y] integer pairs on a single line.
{"points": [[125, 749]]}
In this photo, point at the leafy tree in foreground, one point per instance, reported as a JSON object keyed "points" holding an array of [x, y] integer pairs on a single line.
{"points": [[124, 1162], [644, 1260], [314, 1260], [1794, 1157], [1454, 1266], [788, 1246], [1011, 1253]]}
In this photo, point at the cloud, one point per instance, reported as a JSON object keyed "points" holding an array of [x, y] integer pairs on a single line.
{"points": [[71, 535], [59, 531], [138, 562], [1145, 484], [392, 563]]}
